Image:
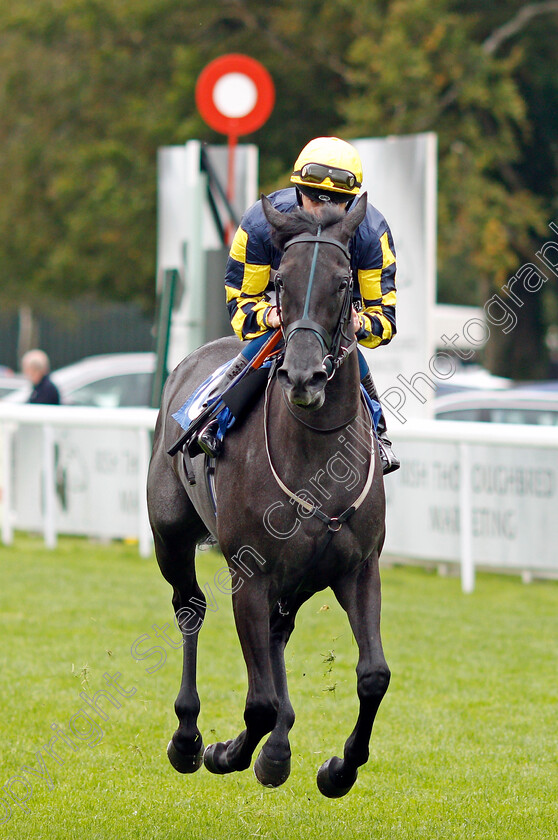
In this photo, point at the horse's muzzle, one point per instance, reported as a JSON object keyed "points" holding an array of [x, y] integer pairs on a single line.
{"points": [[305, 389]]}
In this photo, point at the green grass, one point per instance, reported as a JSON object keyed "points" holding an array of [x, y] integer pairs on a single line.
{"points": [[464, 744]]}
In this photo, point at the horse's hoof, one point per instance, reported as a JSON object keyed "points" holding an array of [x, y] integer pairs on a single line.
{"points": [[328, 784], [184, 763], [213, 758], [271, 773]]}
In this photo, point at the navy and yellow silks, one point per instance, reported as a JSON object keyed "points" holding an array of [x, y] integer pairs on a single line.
{"points": [[247, 279]]}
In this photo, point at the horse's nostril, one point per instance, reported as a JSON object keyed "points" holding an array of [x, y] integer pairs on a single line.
{"points": [[300, 382], [318, 380], [283, 377]]}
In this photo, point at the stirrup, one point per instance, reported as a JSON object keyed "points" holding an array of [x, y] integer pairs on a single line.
{"points": [[208, 440], [390, 461]]}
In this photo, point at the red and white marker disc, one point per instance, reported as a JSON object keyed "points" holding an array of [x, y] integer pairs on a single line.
{"points": [[235, 94]]}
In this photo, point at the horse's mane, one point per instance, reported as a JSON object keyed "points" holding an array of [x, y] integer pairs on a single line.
{"points": [[300, 221]]}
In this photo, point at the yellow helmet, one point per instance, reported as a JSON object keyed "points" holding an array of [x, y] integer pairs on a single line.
{"points": [[328, 164]]}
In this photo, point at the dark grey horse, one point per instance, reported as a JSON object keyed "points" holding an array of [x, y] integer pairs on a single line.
{"points": [[300, 507]]}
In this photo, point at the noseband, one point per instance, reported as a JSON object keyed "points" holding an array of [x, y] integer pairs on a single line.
{"points": [[334, 353]]}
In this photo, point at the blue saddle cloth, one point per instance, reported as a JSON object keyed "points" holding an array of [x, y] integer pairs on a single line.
{"points": [[373, 407], [201, 398], [196, 403]]}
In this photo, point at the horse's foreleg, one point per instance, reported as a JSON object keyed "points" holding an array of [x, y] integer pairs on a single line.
{"points": [[251, 612], [273, 765], [360, 596]]}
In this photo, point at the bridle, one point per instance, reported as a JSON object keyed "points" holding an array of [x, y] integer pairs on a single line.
{"points": [[335, 355], [334, 352]]}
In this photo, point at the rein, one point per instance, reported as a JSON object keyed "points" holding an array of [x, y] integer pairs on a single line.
{"points": [[334, 353], [315, 428], [334, 523], [334, 356]]}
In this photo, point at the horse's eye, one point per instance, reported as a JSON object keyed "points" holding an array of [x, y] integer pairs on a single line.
{"points": [[343, 285], [278, 281]]}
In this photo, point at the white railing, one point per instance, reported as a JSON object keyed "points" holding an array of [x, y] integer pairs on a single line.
{"points": [[467, 493], [75, 470], [475, 494]]}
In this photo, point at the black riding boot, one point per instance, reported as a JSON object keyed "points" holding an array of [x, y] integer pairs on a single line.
{"points": [[390, 461]]}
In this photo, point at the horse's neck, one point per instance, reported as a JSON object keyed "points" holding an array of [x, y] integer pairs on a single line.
{"points": [[340, 407], [321, 451]]}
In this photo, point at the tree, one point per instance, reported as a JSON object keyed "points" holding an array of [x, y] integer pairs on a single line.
{"points": [[83, 101], [80, 137], [91, 89], [527, 33]]}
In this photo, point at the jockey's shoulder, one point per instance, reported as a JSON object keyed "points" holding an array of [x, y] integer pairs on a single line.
{"points": [[368, 237], [374, 222], [254, 219], [285, 200]]}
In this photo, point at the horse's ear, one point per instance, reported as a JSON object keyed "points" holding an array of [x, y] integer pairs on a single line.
{"points": [[275, 218], [355, 215]]}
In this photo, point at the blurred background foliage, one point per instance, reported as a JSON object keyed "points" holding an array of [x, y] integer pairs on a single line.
{"points": [[89, 89]]}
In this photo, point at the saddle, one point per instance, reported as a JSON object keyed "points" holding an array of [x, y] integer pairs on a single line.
{"points": [[199, 409], [231, 408]]}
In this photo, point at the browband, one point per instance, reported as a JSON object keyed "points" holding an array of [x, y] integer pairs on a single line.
{"points": [[322, 240]]}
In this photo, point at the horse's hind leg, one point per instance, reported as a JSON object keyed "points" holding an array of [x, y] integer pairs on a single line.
{"points": [[359, 595], [273, 765], [185, 749], [176, 529], [251, 612]]}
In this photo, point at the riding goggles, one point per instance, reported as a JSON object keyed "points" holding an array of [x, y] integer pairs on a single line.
{"points": [[317, 173]]}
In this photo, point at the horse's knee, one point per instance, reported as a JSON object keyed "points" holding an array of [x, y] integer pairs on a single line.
{"points": [[373, 683], [189, 608]]}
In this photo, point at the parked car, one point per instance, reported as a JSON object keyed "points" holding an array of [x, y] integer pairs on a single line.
{"points": [[108, 381], [513, 405], [10, 382], [471, 377]]}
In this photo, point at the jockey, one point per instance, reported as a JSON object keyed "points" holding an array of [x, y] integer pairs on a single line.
{"points": [[328, 170]]}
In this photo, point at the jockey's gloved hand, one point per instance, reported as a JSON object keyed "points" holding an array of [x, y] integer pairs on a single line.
{"points": [[357, 321], [272, 318]]}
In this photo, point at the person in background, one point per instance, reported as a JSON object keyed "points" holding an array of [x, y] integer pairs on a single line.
{"points": [[36, 367]]}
